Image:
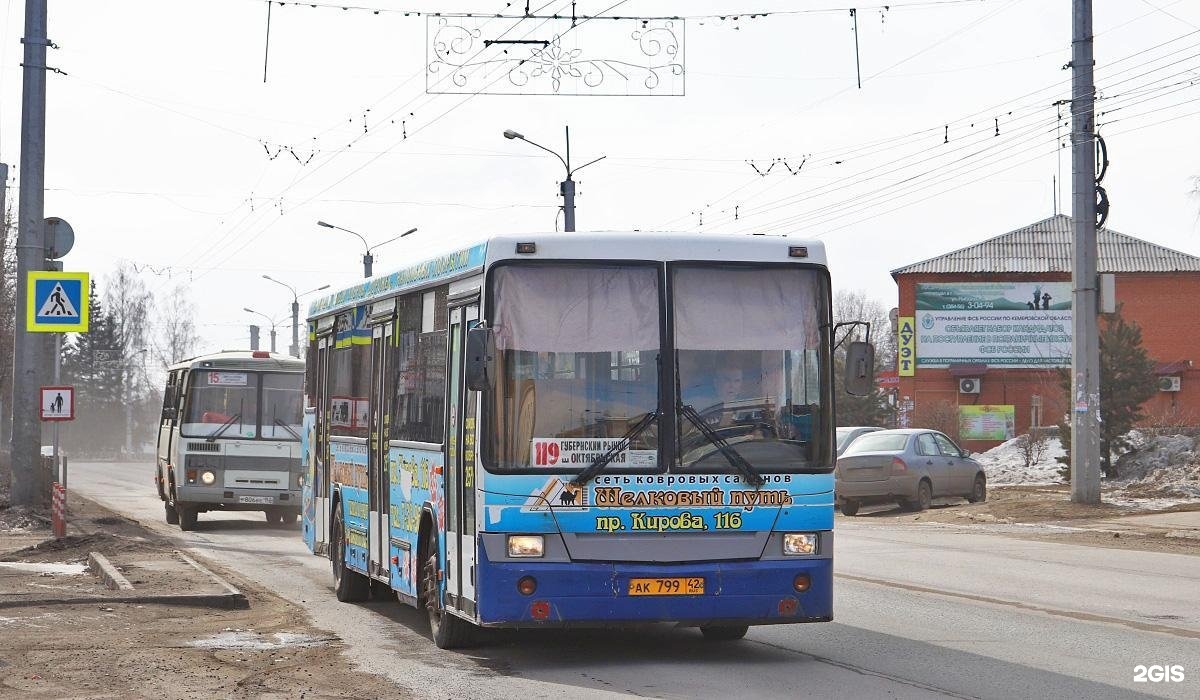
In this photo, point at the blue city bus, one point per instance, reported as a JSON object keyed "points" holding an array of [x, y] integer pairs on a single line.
{"points": [[576, 430]]}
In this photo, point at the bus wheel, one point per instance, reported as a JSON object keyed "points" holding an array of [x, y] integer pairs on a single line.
{"points": [[723, 633], [448, 631], [289, 516], [187, 518], [351, 586], [171, 513], [273, 517]]}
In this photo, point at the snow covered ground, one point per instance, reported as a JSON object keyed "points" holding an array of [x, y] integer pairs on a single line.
{"points": [[1159, 472], [1005, 464]]}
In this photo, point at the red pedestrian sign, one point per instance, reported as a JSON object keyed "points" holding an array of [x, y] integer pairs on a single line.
{"points": [[58, 403]]}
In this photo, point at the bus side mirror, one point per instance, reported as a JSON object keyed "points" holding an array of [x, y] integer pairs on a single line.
{"points": [[860, 369], [168, 414], [481, 358]]}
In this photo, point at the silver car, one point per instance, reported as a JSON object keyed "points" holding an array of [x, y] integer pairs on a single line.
{"points": [[847, 435], [910, 466]]}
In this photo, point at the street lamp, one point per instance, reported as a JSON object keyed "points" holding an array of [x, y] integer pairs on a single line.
{"points": [[567, 187], [294, 351], [272, 323], [367, 248]]}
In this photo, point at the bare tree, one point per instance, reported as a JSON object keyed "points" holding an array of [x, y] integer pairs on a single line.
{"points": [[175, 337], [8, 315], [873, 409], [855, 305]]}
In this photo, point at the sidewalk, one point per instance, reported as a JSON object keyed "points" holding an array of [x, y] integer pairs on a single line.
{"points": [[1179, 524], [115, 610]]}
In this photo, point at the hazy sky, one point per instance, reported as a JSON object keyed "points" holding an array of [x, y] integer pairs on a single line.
{"points": [[164, 142]]}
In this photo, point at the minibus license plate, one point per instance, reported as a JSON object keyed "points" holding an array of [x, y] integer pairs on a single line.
{"points": [[254, 499], [666, 586]]}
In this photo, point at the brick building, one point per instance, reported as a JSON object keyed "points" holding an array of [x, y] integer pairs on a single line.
{"points": [[983, 329]]}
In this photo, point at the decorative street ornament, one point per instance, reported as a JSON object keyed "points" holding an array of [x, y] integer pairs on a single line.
{"points": [[555, 56]]}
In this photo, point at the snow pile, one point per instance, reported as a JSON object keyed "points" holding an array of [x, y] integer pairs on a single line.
{"points": [[1163, 466], [1005, 463]]}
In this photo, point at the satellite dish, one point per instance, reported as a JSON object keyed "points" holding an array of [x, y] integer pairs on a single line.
{"points": [[60, 238]]}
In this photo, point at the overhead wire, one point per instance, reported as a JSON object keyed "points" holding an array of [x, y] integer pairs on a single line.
{"points": [[746, 212], [418, 129], [299, 178]]}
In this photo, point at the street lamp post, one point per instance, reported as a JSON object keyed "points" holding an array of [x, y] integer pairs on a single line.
{"points": [[368, 259], [271, 321], [566, 188], [294, 351]]}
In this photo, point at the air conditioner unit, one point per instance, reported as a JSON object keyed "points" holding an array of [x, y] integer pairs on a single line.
{"points": [[1168, 383], [969, 385]]}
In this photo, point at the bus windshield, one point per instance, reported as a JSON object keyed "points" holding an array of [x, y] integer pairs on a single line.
{"points": [[282, 406], [577, 357], [225, 404], [749, 357]]}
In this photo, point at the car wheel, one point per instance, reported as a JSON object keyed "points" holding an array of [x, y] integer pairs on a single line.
{"points": [[979, 490], [723, 633], [171, 514], [448, 631], [924, 496], [350, 586], [849, 507]]}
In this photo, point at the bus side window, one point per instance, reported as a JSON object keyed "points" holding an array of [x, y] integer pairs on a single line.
{"points": [[180, 395], [169, 396]]}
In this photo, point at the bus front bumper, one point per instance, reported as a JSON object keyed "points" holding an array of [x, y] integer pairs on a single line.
{"points": [[592, 594], [217, 498]]}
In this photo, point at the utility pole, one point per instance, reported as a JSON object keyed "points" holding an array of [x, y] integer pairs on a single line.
{"points": [[29, 350], [567, 188], [1085, 354], [4, 429], [294, 350]]}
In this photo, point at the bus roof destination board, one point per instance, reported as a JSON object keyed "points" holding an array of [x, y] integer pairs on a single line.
{"points": [[58, 302]]}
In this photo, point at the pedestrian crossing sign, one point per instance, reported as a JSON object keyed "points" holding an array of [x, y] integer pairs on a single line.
{"points": [[58, 302]]}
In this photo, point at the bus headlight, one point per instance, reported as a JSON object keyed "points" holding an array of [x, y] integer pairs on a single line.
{"points": [[526, 545], [800, 543], [208, 478]]}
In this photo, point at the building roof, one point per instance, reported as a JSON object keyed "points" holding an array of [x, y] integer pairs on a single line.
{"points": [[1046, 247]]}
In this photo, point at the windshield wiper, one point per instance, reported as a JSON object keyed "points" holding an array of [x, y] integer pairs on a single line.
{"points": [[731, 455], [286, 427], [605, 459], [212, 437]]}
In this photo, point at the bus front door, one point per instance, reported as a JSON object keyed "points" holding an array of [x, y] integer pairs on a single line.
{"points": [[460, 467]]}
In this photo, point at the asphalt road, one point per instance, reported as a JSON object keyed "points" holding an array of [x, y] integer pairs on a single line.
{"points": [[921, 611]]}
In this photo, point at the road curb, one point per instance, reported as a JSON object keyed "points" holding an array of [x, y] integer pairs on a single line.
{"points": [[230, 589], [203, 600], [108, 573], [230, 598]]}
